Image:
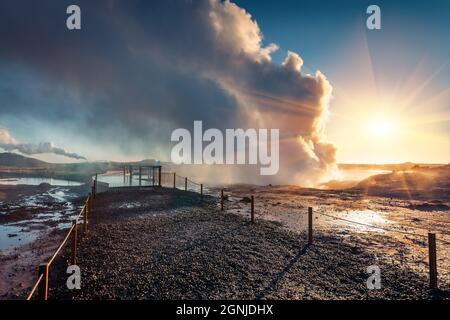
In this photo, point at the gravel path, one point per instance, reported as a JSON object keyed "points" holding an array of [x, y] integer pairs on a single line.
{"points": [[158, 243]]}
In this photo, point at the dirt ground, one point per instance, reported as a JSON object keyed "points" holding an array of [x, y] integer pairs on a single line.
{"points": [[399, 235], [152, 243]]}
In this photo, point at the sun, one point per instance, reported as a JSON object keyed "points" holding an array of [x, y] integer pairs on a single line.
{"points": [[382, 128]]}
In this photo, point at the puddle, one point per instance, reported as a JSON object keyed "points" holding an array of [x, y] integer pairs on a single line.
{"points": [[363, 220], [12, 237], [55, 211], [38, 181]]}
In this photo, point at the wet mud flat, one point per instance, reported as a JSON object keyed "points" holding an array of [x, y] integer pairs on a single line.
{"points": [[33, 220], [159, 243], [392, 229]]}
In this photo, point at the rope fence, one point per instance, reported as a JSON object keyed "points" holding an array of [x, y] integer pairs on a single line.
{"points": [[430, 237], [175, 181], [41, 284]]}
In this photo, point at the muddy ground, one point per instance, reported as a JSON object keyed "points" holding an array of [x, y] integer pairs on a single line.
{"points": [[33, 220], [400, 227], [152, 243]]}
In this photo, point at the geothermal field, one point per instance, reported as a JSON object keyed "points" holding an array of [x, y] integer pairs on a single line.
{"points": [[146, 241]]}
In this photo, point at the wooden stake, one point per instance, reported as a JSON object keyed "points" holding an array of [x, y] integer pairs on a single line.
{"points": [[85, 217], [174, 180], [221, 200], [201, 191], [310, 226], [432, 260], [252, 210], [185, 184], [73, 259], [140, 175], [159, 176], [153, 176], [43, 286]]}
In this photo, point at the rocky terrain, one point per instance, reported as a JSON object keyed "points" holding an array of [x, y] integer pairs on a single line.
{"points": [[150, 243]]}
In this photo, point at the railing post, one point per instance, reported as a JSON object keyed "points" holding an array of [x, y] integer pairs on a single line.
{"points": [[92, 192], [95, 186], [185, 184], [252, 209], [432, 260], [85, 217], [310, 226], [140, 175], [73, 259], [174, 180], [43, 286], [159, 177], [221, 200], [201, 191]]}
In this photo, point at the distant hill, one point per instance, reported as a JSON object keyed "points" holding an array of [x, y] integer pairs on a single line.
{"points": [[387, 166], [19, 161], [14, 165], [422, 182], [115, 165]]}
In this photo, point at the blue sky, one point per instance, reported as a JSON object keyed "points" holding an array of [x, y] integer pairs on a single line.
{"points": [[411, 47]]}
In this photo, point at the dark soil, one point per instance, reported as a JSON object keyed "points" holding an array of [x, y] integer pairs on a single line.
{"points": [[158, 243]]}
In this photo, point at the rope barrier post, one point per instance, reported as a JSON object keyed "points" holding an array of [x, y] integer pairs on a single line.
{"points": [[252, 209], [432, 260], [85, 216], [185, 184], [221, 200], [174, 180], [159, 176], [310, 226], [89, 199], [140, 175], [153, 176], [201, 191], [73, 259], [95, 186], [43, 286]]}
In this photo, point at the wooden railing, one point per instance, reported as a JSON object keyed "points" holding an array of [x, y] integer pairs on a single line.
{"points": [[41, 285]]}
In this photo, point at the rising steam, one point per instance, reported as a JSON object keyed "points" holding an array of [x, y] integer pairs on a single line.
{"points": [[8, 143]]}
